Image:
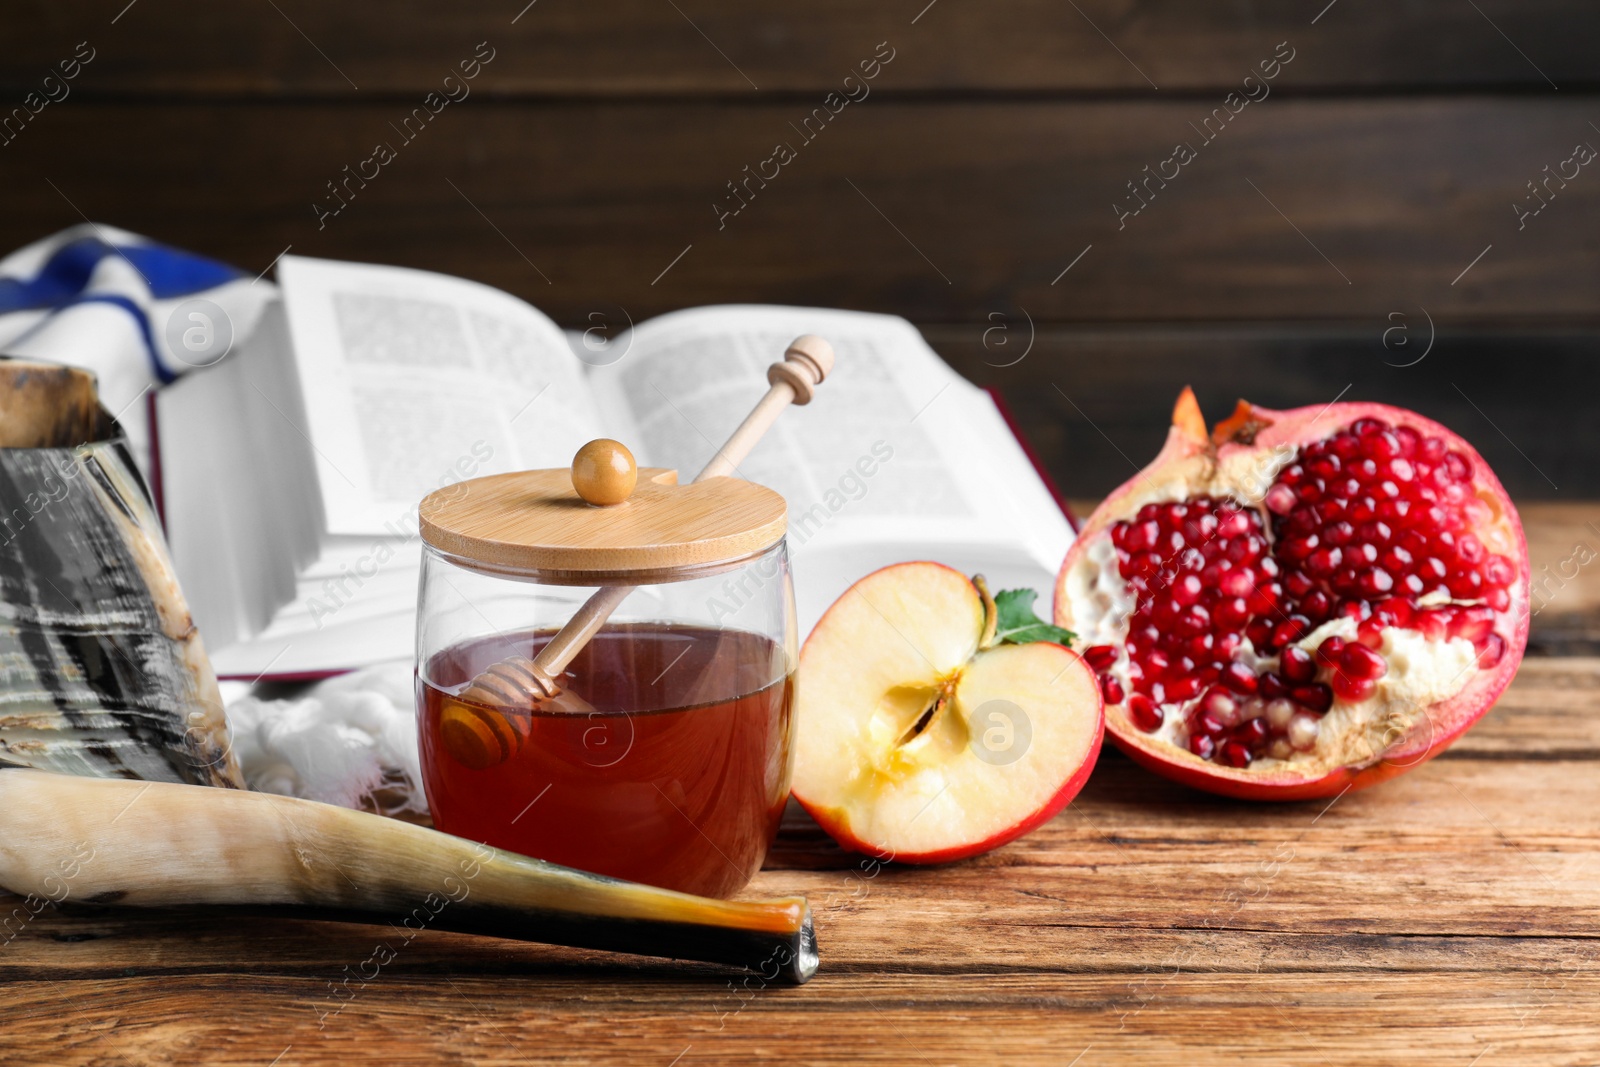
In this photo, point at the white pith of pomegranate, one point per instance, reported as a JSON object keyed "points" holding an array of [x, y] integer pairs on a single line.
{"points": [[1284, 607]]}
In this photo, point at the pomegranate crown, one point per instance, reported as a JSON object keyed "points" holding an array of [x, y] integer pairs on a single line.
{"points": [[1239, 428]]}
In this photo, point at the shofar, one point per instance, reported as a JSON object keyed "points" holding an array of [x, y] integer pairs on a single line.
{"points": [[103, 675]]}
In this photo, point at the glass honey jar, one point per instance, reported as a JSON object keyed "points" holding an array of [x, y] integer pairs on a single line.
{"points": [[606, 657]]}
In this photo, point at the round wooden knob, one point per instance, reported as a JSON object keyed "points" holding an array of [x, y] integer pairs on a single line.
{"points": [[805, 364], [603, 472]]}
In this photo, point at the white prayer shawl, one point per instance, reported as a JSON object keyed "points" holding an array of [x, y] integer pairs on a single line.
{"points": [[138, 314]]}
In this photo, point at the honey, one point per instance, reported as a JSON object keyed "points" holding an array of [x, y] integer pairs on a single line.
{"points": [[677, 778]]}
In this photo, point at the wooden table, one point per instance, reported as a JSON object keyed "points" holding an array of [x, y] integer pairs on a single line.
{"points": [[1451, 916]]}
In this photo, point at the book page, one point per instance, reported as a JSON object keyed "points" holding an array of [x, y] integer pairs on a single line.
{"points": [[897, 458], [415, 380], [689, 378]]}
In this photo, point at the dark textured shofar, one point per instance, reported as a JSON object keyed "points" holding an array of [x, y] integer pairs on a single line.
{"points": [[101, 669], [151, 844]]}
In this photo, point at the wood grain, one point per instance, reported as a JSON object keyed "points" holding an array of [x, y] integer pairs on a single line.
{"points": [[1447, 915], [939, 211], [534, 521], [609, 48], [1095, 402]]}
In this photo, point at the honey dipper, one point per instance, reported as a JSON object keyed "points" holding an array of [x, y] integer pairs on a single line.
{"points": [[471, 727]]}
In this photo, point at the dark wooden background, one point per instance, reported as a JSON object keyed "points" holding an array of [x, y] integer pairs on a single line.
{"points": [[988, 156]]}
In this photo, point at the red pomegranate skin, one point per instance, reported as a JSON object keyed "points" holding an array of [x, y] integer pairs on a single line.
{"points": [[1182, 469]]}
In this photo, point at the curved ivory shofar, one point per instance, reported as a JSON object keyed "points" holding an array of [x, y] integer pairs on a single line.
{"points": [[156, 845], [806, 362]]}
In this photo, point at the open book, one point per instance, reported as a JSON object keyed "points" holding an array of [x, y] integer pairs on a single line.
{"points": [[290, 472]]}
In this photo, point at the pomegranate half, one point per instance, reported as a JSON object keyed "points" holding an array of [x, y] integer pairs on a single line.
{"points": [[1300, 602]]}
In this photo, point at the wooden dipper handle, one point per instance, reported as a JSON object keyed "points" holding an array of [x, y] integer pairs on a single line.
{"points": [[806, 362], [477, 735]]}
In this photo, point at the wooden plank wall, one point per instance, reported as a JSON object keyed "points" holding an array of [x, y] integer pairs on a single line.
{"points": [[1358, 208]]}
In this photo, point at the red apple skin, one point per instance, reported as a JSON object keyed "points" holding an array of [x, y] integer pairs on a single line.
{"points": [[1188, 437], [1057, 803]]}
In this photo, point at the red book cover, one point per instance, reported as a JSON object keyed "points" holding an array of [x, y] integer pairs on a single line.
{"points": [[1033, 457]]}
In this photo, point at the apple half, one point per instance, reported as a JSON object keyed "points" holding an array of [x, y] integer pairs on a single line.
{"points": [[934, 722]]}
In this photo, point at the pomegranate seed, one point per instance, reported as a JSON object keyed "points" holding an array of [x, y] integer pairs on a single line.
{"points": [[1220, 702], [1494, 649], [1302, 731], [1473, 623], [1144, 713], [1296, 665], [1392, 511], [1394, 612], [1280, 499], [1370, 633], [1251, 733], [1194, 620], [1201, 746], [1239, 678], [1259, 631], [1237, 582], [1111, 689], [1235, 611], [1231, 524], [1291, 630], [1396, 560], [1328, 651], [1323, 561], [1362, 663], [1377, 531], [1272, 686], [1278, 713], [1298, 548], [1375, 582], [1497, 599], [1100, 657], [1187, 589], [1182, 688], [1235, 754], [1353, 690], [1498, 571], [1317, 697]]}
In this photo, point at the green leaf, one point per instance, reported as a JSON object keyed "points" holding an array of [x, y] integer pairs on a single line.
{"points": [[1018, 625]]}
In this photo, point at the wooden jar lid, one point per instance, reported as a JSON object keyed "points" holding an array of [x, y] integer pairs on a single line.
{"points": [[534, 522]]}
